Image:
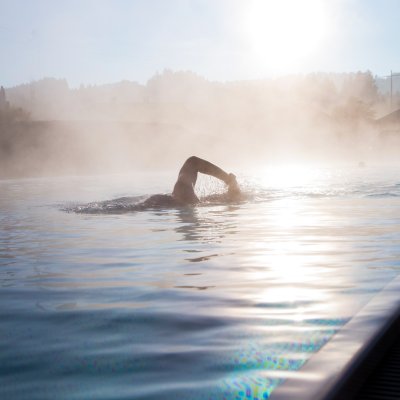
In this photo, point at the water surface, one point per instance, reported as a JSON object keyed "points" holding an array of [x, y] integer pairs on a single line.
{"points": [[218, 301]]}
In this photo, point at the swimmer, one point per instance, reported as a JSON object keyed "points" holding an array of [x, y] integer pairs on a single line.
{"points": [[183, 193]]}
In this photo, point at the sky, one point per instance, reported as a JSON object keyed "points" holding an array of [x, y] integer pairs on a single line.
{"points": [[105, 41]]}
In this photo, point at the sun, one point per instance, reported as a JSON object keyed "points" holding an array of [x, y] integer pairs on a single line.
{"points": [[284, 34]]}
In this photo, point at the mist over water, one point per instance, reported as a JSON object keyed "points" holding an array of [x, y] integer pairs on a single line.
{"points": [[316, 118]]}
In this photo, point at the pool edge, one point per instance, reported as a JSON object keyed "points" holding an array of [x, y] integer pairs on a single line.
{"points": [[330, 371]]}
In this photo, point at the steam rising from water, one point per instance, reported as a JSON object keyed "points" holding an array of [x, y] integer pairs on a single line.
{"points": [[317, 118]]}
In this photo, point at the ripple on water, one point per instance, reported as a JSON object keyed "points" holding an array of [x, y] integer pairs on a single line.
{"points": [[221, 301]]}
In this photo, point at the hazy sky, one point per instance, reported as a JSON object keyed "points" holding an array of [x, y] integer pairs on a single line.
{"points": [[100, 41]]}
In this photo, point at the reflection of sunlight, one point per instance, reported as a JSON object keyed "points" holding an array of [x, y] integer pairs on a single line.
{"points": [[294, 278], [286, 31], [289, 215], [291, 264], [290, 175], [292, 294]]}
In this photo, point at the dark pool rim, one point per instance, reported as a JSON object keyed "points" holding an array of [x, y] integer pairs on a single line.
{"points": [[340, 369]]}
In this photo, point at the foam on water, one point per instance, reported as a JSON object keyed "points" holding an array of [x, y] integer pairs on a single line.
{"points": [[114, 206]]}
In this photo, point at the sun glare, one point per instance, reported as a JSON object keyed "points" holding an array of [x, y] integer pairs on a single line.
{"points": [[283, 34], [291, 175]]}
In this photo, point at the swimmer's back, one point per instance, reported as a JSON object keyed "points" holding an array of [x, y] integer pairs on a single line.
{"points": [[160, 201]]}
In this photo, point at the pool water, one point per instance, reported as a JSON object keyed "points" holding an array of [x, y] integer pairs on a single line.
{"points": [[217, 301]]}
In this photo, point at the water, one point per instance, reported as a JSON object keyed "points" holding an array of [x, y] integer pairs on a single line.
{"points": [[219, 301]]}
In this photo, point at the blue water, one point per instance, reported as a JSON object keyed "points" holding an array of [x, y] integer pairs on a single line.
{"points": [[217, 301]]}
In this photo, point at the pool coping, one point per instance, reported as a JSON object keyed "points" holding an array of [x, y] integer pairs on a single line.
{"points": [[325, 374]]}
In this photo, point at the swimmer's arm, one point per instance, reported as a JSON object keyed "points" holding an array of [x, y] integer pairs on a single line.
{"points": [[229, 179], [234, 192], [205, 167], [193, 165]]}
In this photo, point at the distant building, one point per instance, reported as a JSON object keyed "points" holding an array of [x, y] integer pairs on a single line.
{"points": [[389, 124], [3, 100]]}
